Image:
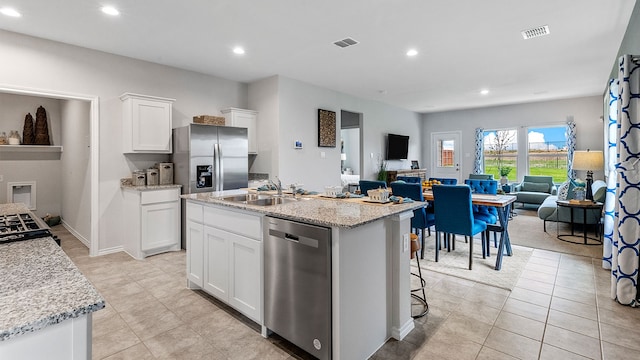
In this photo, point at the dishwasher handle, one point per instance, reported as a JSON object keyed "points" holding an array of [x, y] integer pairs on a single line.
{"points": [[293, 238]]}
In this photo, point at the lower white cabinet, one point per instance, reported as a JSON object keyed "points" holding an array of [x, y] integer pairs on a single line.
{"points": [[224, 256], [152, 221]]}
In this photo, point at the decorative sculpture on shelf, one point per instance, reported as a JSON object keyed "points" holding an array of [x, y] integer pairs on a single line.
{"points": [[28, 135], [42, 128]]}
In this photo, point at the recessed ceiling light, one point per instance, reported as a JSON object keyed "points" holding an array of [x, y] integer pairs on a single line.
{"points": [[412, 52], [10, 12], [110, 10], [238, 50], [484, 92]]}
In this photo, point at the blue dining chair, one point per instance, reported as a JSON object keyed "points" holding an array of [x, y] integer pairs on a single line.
{"points": [[366, 185], [410, 179], [454, 215], [421, 220], [445, 181], [488, 214]]}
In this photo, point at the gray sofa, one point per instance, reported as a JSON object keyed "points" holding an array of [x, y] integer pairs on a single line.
{"points": [[549, 211], [534, 189]]}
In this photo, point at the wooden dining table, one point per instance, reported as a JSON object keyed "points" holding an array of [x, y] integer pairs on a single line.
{"points": [[503, 204]]}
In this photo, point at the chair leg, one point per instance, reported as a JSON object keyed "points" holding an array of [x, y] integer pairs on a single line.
{"points": [[422, 244], [470, 253], [437, 245], [484, 245]]}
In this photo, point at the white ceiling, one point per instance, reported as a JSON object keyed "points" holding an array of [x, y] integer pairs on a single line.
{"points": [[464, 45]]}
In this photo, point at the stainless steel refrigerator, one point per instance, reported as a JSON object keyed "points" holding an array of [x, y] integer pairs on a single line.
{"points": [[209, 158]]}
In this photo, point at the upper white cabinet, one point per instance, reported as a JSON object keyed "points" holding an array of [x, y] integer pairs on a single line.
{"points": [[246, 119], [146, 124]]}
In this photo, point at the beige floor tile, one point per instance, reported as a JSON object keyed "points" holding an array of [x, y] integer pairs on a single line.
{"points": [[574, 323], [394, 349], [617, 352], [534, 285], [462, 326], [577, 284], [488, 296], [574, 308], [453, 288], [513, 344], [552, 255], [490, 354], [137, 352], [572, 342], [188, 305], [543, 261], [426, 327], [147, 323], [580, 296], [538, 276], [530, 296], [479, 312], [442, 300], [116, 339], [180, 343], [528, 310], [551, 270], [442, 343], [623, 316], [620, 336], [553, 353], [520, 325]]}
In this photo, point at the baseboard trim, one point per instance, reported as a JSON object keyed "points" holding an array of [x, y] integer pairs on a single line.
{"points": [[73, 232]]}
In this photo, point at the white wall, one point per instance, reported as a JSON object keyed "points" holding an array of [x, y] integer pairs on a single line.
{"points": [[41, 64], [293, 112], [43, 168], [585, 111], [76, 170]]}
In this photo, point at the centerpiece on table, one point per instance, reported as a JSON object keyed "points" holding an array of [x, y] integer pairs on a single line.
{"points": [[504, 172]]}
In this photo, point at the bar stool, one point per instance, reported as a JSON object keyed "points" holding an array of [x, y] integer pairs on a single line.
{"points": [[415, 248]]}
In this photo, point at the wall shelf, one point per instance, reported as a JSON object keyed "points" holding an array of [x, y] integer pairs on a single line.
{"points": [[31, 148]]}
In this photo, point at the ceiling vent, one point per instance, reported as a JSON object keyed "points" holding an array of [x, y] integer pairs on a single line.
{"points": [[345, 42], [535, 32]]}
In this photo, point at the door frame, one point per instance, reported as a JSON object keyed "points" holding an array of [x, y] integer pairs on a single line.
{"points": [[457, 137], [94, 134]]}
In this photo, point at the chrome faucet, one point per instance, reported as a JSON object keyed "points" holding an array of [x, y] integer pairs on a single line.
{"points": [[278, 186]]}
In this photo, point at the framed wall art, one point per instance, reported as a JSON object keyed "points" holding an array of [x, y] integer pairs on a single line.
{"points": [[326, 128]]}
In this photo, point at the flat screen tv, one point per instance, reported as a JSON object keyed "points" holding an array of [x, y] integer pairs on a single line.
{"points": [[397, 147]]}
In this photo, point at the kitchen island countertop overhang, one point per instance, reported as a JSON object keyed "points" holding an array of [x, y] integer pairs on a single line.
{"points": [[343, 213]]}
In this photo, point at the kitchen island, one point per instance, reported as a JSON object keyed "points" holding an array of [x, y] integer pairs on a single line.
{"points": [[370, 270], [46, 303]]}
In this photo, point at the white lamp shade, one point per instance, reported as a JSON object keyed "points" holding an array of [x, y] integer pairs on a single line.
{"points": [[588, 160]]}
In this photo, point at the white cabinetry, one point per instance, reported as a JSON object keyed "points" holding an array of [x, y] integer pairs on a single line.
{"points": [[228, 244], [152, 221], [246, 119], [146, 124]]}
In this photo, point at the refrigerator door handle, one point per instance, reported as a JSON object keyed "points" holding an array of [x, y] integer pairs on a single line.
{"points": [[220, 170]]}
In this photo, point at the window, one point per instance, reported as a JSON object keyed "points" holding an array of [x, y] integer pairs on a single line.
{"points": [[501, 153], [547, 152], [445, 153]]}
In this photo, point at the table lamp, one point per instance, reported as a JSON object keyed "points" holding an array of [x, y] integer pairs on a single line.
{"points": [[589, 161]]}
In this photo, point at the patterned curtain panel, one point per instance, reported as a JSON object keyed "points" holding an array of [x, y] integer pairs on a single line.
{"points": [[478, 163], [611, 177], [571, 146], [625, 252]]}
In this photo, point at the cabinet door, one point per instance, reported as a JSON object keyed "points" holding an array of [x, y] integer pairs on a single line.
{"points": [[151, 128], [246, 119], [216, 280], [195, 253], [160, 225], [245, 270]]}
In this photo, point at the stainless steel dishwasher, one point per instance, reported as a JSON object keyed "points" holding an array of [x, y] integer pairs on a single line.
{"points": [[297, 282]]}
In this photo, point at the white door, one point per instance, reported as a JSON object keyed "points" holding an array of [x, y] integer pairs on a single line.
{"points": [[445, 155]]}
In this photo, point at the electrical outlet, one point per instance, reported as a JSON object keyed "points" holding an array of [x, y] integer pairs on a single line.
{"points": [[405, 242]]}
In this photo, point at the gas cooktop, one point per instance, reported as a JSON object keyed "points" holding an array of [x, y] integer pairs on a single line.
{"points": [[16, 227]]}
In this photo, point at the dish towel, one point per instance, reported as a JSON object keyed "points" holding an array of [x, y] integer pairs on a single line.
{"points": [[400, 199]]}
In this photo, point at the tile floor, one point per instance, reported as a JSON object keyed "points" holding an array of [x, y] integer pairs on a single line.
{"points": [[560, 309]]}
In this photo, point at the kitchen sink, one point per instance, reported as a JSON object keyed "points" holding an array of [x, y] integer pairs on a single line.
{"points": [[262, 199]]}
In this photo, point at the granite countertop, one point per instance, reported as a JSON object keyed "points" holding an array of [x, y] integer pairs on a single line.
{"points": [[13, 208], [40, 287], [345, 213], [126, 184]]}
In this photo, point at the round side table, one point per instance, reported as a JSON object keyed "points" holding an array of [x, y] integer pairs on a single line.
{"points": [[585, 206]]}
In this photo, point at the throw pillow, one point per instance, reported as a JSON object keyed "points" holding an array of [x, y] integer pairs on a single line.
{"points": [[535, 187], [563, 191], [573, 184]]}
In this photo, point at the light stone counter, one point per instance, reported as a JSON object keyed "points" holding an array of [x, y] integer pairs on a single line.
{"points": [[343, 213], [41, 287], [126, 184]]}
